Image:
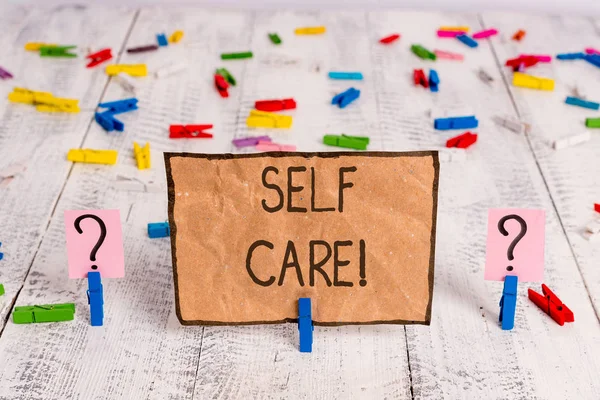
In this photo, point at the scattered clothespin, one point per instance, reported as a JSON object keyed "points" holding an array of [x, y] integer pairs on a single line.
{"points": [[44, 313], [35, 46], [143, 49], [463, 141], [142, 155], [532, 82], [170, 69], [593, 59], [90, 156], [305, 325], [1, 288], [461, 28], [4, 74], [345, 98], [250, 141], [1, 257], [511, 124], [346, 141], [190, 132], [44, 101], [574, 101], [270, 146], [484, 76], [107, 118], [467, 40], [572, 140], [176, 37], [120, 106], [596, 208], [591, 50], [449, 34], [221, 85], [468, 122], [161, 38], [593, 227], [57, 51], [108, 121], [263, 119], [551, 305], [508, 302], [95, 298], [98, 57], [275, 39], [527, 61], [543, 58], [570, 56], [422, 52], [419, 78], [519, 35], [236, 56], [389, 39], [129, 69], [158, 230], [592, 122], [226, 75], [448, 55], [434, 81], [311, 30], [356, 76], [485, 34], [126, 82], [275, 105]]}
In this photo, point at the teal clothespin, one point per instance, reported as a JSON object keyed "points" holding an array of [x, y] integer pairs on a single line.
{"points": [[349, 142], [57, 51], [44, 313]]}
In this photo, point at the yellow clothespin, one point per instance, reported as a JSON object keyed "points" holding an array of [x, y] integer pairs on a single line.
{"points": [[142, 155], [454, 28], [532, 82], [263, 119], [310, 30], [22, 95], [57, 104], [35, 46], [130, 69], [93, 156], [176, 36]]}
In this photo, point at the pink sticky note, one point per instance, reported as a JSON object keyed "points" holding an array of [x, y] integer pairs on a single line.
{"points": [[84, 230], [527, 252]]}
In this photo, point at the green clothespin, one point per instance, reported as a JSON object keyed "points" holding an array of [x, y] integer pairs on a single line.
{"points": [[1, 289], [57, 51], [422, 52], [349, 142], [236, 56], [44, 313], [275, 38], [226, 75], [592, 122]]}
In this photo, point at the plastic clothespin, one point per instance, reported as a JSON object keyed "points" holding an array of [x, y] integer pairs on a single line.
{"points": [[1, 288], [462, 28], [305, 325], [189, 131], [532, 82], [346, 141], [44, 313], [226, 75], [449, 34], [434, 81], [419, 78], [1, 257], [592, 122], [512, 124], [98, 57], [275, 39], [310, 30], [551, 305], [57, 51], [570, 56], [575, 101], [355, 76], [596, 208], [143, 49], [120, 106], [485, 34], [528, 61], [129, 69], [95, 298], [389, 39], [543, 58], [108, 121], [236, 56], [593, 59], [263, 119], [250, 141], [161, 38], [158, 230], [56, 104], [221, 85], [508, 302], [142, 155], [126, 82], [90, 156], [463, 141], [467, 40], [269, 146], [4, 74], [468, 122], [35, 46], [275, 105], [422, 52], [345, 98], [520, 34], [176, 37], [572, 140], [448, 55]]}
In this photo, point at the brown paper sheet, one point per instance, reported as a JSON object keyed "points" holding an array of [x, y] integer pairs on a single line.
{"points": [[386, 230]]}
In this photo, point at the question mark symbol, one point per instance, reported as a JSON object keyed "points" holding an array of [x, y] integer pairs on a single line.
{"points": [[100, 239], [513, 244]]}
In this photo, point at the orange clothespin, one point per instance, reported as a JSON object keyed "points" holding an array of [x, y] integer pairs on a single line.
{"points": [[551, 305]]}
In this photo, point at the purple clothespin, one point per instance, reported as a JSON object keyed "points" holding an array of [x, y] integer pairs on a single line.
{"points": [[4, 74], [250, 141]]}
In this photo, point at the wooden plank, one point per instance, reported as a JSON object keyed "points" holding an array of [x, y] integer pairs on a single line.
{"points": [[34, 145], [572, 175], [464, 353]]}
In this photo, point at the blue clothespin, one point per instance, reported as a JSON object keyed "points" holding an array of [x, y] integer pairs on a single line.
{"points": [[108, 121], [593, 59], [95, 298], [508, 302], [570, 56], [162, 39], [1, 254], [305, 325], [120, 106], [455, 123], [355, 76], [575, 101], [467, 40], [434, 80], [345, 98], [158, 229]]}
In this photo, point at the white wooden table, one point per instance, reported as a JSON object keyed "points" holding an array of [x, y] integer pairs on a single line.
{"points": [[143, 352]]}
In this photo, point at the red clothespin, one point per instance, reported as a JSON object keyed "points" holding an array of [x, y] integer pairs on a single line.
{"points": [[221, 85], [420, 78], [463, 141], [389, 39], [597, 207], [189, 131], [98, 57], [275, 105], [551, 305], [529, 61]]}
